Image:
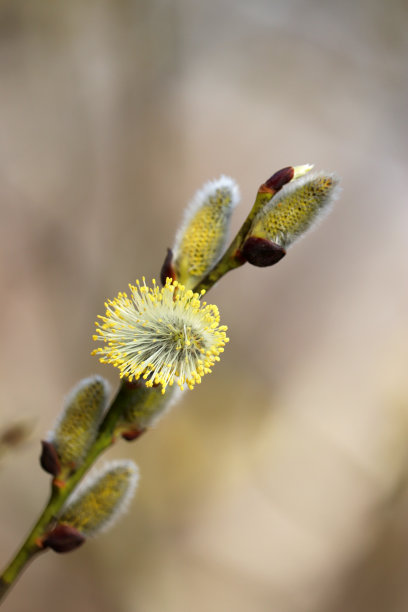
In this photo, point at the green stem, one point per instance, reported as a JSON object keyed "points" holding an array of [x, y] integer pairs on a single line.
{"points": [[232, 257], [32, 545], [30, 548]]}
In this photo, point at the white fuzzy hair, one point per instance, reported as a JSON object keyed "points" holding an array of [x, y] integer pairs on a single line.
{"points": [[200, 198]]}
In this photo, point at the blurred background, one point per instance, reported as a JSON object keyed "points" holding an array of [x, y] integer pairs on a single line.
{"points": [[280, 483]]}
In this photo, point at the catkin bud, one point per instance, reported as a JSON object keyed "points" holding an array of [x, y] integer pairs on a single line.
{"points": [[284, 176], [290, 214], [142, 407], [94, 507], [201, 238], [77, 425]]}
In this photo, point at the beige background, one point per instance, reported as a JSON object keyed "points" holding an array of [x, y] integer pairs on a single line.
{"points": [[280, 483]]}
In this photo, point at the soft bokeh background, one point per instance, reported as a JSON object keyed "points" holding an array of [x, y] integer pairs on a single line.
{"points": [[281, 482]]}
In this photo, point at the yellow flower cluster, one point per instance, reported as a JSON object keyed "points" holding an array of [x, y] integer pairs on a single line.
{"points": [[161, 335]]}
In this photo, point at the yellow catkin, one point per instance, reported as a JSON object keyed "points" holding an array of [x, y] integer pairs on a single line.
{"points": [[77, 425], [201, 238], [143, 406], [295, 209], [161, 336], [94, 508]]}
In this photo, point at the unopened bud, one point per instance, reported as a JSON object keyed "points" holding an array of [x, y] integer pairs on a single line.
{"points": [[202, 236], [142, 407], [284, 176], [77, 425], [95, 506], [278, 180], [293, 211]]}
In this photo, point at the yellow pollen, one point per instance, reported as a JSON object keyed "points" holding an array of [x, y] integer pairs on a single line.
{"points": [[160, 335]]}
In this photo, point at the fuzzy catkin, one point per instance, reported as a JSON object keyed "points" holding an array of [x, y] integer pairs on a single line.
{"points": [[202, 236], [77, 425], [295, 209], [102, 500]]}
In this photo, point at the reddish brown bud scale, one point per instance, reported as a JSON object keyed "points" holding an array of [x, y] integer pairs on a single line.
{"points": [[49, 459], [262, 252], [239, 257], [63, 538], [132, 434], [278, 180], [167, 270]]}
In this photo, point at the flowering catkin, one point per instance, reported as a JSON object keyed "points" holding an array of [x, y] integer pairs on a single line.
{"points": [[161, 335]]}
